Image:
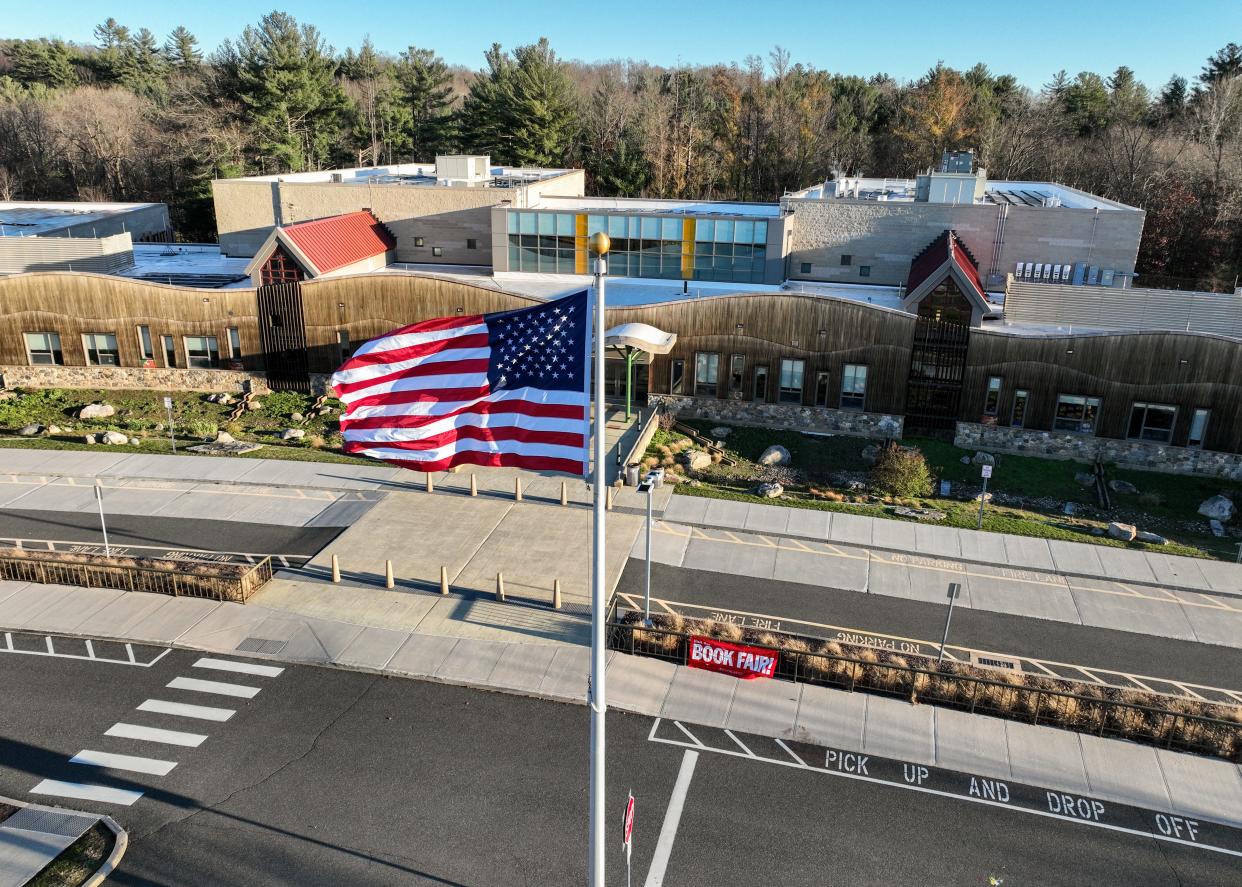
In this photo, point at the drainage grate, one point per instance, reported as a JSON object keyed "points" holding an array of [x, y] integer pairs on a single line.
{"points": [[992, 660], [50, 822], [260, 645]]}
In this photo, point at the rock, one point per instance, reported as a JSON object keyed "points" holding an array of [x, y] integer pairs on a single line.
{"points": [[96, 411], [225, 399], [919, 513], [986, 497], [113, 438], [52, 429], [775, 455], [870, 453], [965, 460], [982, 458], [1122, 486], [1217, 508], [135, 441], [1069, 508], [232, 448], [1217, 528], [160, 427], [1151, 538], [29, 430], [1084, 479], [89, 438], [697, 460], [1124, 532], [771, 491], [254, 405], [298, 434], [223, 437], [297, 418], [721, 431], [7, 395]]}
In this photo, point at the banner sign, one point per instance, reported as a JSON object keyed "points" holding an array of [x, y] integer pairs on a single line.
{"points": [[735, 659]]}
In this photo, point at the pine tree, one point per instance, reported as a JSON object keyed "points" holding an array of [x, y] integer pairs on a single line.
{"points": [[427, 93], [481, 121], [541, 107], [181, 49], [42, 61], [143, 68], [380, 121], [1224, 63]]}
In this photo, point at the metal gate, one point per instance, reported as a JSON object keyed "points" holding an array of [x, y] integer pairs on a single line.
{"points": [[282, 332], [937, 367]]}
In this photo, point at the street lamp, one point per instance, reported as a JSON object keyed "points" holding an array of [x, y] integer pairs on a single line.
{"points": [[646, 486]]}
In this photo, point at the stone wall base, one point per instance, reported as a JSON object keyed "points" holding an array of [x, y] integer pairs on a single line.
{"points": [[1139, 454], [783, 415], [119, 378]]}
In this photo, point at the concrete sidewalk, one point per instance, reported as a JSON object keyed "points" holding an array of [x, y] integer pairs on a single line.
{"points": [[35, 835], [541, 653]]}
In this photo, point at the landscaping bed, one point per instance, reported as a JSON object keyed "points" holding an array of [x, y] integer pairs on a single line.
{"points": [[80, 860]]}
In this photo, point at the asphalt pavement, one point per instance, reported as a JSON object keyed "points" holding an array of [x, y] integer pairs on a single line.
{"points": [[329, 777], [774, 600]]}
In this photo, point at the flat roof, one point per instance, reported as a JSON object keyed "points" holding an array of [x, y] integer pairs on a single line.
{"points": [[187, 264], [668, 207], [32, 218], [415, 174], [1032, 194]]}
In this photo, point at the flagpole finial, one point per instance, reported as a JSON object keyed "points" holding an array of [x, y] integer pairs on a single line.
{"points": [[600, 244]]}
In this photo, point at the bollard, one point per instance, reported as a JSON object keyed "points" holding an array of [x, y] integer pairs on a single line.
{"points": [[474, 485], [444, 588], [431, 484], [336, 569], [500, 586], [517, 489], [608, 505], [564, 494], [556, 594], [388, 581]]}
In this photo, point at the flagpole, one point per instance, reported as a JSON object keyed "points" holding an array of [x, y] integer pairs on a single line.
{"points": [[598, 702]]}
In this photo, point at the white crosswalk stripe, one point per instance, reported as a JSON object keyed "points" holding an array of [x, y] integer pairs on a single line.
{"points": [[131, 763], [185, 710], [84, 792], [218, 687], [266, 671], [154, 734]]}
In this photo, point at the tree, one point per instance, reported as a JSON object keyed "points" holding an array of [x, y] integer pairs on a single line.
{"points": [[181, 50], [540, 107], [1225, 62], [42, 61], [1086, 103], [934, 116], [901, 471], [426, 85], [143, 68], [1171, 104], [481, 121]]}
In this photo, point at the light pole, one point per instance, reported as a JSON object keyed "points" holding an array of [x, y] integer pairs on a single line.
{"points": [[944, 638], [172, 436], [103, 524], [599, 245], [646, 487]]}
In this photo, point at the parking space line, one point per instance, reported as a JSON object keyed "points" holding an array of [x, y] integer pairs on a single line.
{"points": [[220, 688], [693, 738], [267, 671], [672, 817], [793, 754], [185, 710], [130, 763], [100, 793], [739, 742], [155, 734]]}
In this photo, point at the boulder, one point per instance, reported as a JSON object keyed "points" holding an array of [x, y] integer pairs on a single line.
{"points": [[8, 395], [697, 460], [771, 491], [89, 438], [298, 434], [982, 458], [29, 430], [965, 460], [254, 405], [721, 431], [870, 453], [297, 418], [775, 455], [1122, 486], [113, 438], [1084, 479], [1124, 532], [986, 497], [1151, 538], [52, 429], [135, 441], [226, 399], [1217, 508], [97, 411], [223, 437]]}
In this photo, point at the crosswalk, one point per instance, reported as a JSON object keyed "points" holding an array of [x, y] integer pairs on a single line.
{"points": [[195, 715]]}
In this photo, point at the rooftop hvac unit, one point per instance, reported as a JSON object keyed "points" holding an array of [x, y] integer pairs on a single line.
{"points": [[1047, 272], [1056, 273], [1019, 270], [1093, 275], [1106, 277], [1065, 273], [1039, 270], [336, 177]]}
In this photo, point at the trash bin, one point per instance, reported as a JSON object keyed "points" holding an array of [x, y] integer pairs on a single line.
{"points": [[657, 477], [631, 474]]}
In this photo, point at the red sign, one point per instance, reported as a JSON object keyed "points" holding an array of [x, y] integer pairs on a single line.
{"points": [[629, 824], [735, 659]]}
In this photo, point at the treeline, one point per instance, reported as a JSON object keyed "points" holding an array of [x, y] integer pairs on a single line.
{"points": [[134, 118]]}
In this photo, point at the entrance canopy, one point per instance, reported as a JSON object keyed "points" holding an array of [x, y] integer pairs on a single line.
{"points": [[640, 337]]}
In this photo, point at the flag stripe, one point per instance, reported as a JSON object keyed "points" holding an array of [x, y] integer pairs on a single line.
{"points": [[492, 460], [428, 375], [379, 364], [468, 420], [470, 433], [561, 404], [437, 330], [467, 445]]}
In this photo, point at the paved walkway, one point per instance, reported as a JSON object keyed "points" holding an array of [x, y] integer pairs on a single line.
{"points": [[34, 836]]}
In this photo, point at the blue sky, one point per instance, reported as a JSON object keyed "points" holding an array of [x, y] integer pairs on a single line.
{"points": [[1028, 39]]}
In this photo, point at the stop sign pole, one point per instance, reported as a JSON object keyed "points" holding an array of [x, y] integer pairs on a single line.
{"points": [[628, 835]]}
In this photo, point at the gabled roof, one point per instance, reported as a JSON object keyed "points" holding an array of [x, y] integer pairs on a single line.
{"points": [[946, 256], [325, 245]]}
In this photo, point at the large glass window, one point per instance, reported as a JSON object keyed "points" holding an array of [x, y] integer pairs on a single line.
{"points": [[792, 372], [44, 349], [1198, 428], [1076, 413], [170, 351], [202, 352], [737, 369], [706, 373], [991, 399], [1152, 421], [677, 377], [1018, 418], [854, 387], [145, 349], [235, 350], [101, 349]]}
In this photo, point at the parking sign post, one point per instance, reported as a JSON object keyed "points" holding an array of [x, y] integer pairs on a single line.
{"points": [[171, 436], [983, 497], [628, 835]]}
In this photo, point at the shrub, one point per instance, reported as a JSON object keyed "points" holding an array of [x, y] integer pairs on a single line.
{"points": [[901, 471], [667, 421], [1151, 499], [203, 429]]}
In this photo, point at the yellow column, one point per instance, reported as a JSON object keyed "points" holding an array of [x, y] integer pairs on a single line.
{"points": [[580, 244], [687, 249]]}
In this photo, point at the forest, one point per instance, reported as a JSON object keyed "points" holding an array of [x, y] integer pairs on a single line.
{"points": [[134, 117]]}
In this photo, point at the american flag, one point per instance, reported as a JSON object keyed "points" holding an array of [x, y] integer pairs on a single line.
{"points": [[505, 389]]}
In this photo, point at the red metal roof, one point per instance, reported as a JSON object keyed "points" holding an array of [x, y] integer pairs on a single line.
{"points": [[946, 247], [338, 241]]}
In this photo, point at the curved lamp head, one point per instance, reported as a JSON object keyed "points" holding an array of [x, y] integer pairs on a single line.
{"points": [[599, 243]]}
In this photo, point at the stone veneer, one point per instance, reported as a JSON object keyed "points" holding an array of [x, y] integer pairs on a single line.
{"points": [[155, 378], [1140, 454], [783, 415]]}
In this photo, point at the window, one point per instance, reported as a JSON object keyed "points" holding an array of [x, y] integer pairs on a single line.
{"points": [[853, 387], [1018, 418], [101, 349], [791, 380], [472, 243], [170, 351], [418, 241], [821, 389], [145, 347], [44, 348], [706, 372], [342, 342], [737, 368], [1076, 413], [1198, 428], [202, 352], [677, 377], [437, 251], [805, 268], [235, 351], [1152, 421], [761, 384], [991, 400], [864, 270], [847, 259]]}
